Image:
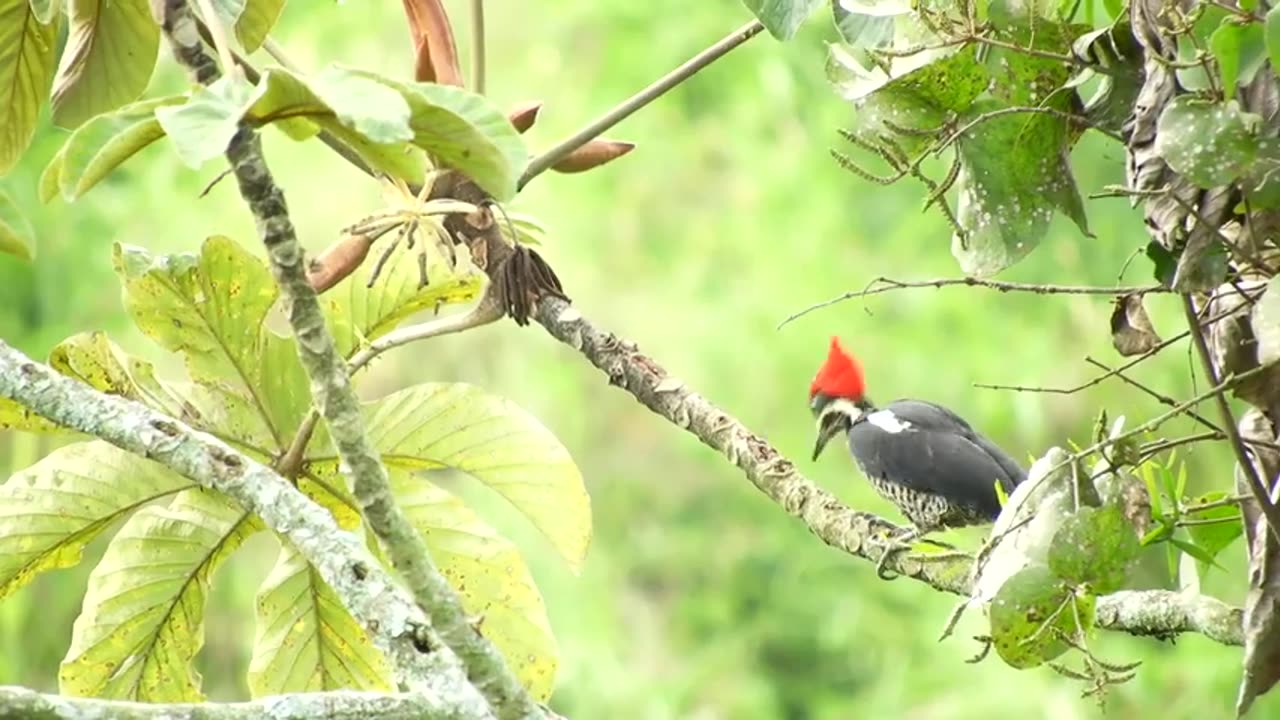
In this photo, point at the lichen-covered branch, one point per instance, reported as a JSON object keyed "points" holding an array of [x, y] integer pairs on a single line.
{"points": [[333, 394], [340, 705], [392, 619], [1145, 613]]}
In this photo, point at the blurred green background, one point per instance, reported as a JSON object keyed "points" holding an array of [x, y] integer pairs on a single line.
{"points": [[700, 598]]}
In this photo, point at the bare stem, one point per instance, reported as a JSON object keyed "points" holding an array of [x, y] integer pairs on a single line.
{"points": [[884, 284], [1261, 493], [600, 125], [477, 47]]}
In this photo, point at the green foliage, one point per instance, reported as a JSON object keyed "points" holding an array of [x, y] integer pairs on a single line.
{"points": [[16, 235], [1094, 548], [782, 17], [141, 626], [1266, 323], [251, 19], [111, 49], [1034, 615], [306, 641], [101, 145], [28, 44], [143, 617]]}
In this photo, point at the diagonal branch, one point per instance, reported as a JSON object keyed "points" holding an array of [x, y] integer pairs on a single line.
{"points": [[331, 388], [884, 284], [390, 616], [1146, 613], [1261, 493], [334, 705]]}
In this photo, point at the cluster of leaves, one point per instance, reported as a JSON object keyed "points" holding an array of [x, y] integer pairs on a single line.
{"points": [[140, 627]]}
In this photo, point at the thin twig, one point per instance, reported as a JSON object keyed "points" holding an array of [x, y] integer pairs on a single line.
{"points": [[219, 32], [595, 128], [884, 284], [278, 53], [477, 47], [1261, 493], [1159, 397]]}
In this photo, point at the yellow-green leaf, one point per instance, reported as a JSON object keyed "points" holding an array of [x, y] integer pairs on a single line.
{"points": [[110, 52], [14, 416], [489, 574], [16, 236], [27, 50], [142, 623], [306, 641], [101, 145], [355, 310], [461, 427], [96, 361], [50, 511], [211, 307]]}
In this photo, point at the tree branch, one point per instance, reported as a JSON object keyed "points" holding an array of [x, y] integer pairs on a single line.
{"points": [[392, 619], [1261, 493], [331, 388], [855, 532], [883, 284], [621, 112], [338, 705]]}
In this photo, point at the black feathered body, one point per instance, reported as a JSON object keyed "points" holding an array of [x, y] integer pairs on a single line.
{"points": [[931, 464]]}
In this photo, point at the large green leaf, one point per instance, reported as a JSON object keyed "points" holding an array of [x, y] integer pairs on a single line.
{"points": [[50, 511], [142, 623], [252, 19], [782, 17], [16, 235], [306, 641], [457, 426], [465, 131], [202, 127], [1208, 142], [27, 51], [110, 52], [101, 145], [365, 115], [491, 577], [211, 308], [357, 312], [1032, 612]]}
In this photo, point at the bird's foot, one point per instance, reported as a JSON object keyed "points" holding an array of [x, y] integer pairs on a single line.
{"points": [[902, 541]]}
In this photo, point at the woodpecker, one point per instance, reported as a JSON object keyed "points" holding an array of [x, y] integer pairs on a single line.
{"points": [[925, 459]]}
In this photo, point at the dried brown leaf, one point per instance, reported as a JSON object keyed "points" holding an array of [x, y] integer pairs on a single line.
{"points": [[1131, 330], [1262, 603]]}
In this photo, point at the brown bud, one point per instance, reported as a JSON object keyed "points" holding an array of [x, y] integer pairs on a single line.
{"points": [[337, 261], [525, 115], [592, 155], [435, 54]]}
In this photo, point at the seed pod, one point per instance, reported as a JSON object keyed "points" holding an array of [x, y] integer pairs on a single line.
{"points": [[337, 261], [525, 115], [592, 155]]}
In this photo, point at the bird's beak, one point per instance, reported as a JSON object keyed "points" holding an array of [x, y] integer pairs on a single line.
{"points": [[827, 430]]}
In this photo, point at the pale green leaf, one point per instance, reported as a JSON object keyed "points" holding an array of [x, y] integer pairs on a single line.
{"points": [[202, 127], [142, 622], [46, 9], [28, 46], [211, 308], [52, 176], [465, 131], [256, 22], [1266, 323], [457, 426], [102, 144], [110, 52], [17, 237], [1210, 143], [1095, 547], [782, 18], [306, 641], [50, 511], [357, 313], [489, 574], [867, 25]]}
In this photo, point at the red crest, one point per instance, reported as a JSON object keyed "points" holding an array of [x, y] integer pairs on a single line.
{"points": [[840, 376]]}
